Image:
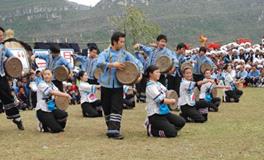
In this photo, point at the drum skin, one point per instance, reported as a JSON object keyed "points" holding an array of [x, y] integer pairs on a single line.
{"points": [[129, 74], [164, 63], [61, 73], [13, 67]]}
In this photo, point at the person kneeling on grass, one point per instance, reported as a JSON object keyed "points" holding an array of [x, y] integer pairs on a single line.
{"points": [[206, 92], [232, 94], [50, 117], [160, 122], [191, 110], [91, 106]]}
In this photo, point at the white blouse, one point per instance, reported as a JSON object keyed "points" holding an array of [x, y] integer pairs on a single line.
{"points": [[87, 92], [155, 93], [187, 93], [43, 92]]}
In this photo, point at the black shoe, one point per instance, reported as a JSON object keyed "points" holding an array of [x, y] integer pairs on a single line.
{"points": [[19, 124], [213, 109], [117, 137]]}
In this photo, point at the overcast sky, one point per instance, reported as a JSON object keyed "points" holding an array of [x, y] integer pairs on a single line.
{"points": [[86, 2]]}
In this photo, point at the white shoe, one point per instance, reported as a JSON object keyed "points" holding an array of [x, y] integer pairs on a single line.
{"points": [[40, 127]]}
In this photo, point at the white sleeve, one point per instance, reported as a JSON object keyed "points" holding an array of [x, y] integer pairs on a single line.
{"points": [[154, 93], [44, 88], [87, 87]]}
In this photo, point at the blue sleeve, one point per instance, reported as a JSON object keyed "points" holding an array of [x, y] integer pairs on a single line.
{"points": [[67, 64], [131, 58], [101, 61], [79, 58], [209, 61], [258, 73], [42, 56], [147, 50], [8, 53], [193, 58], [174, 59], [250, 74], [244, 75]]}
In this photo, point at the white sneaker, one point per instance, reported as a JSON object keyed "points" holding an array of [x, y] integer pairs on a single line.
{"points": [[40, 127]]}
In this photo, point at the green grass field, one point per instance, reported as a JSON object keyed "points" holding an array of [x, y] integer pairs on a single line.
{"points": [[236, 132]]}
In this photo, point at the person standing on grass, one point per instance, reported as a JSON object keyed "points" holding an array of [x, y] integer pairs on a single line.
{"points": [[198, 60], [6, 97], [153, 53], [53, 61], [111, 60], [160, 121], [88, 63]]}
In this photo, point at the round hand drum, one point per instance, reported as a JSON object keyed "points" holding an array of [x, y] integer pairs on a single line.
{"points": [[129, 74], [214, 92], [205, 67], [164, 63], [20, 52], [61, 73], [62, 102], [171, 94], [13, 67], [97, 73], [196, 93]]}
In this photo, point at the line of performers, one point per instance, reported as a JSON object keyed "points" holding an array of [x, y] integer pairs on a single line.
{"points": [[160, 121]]}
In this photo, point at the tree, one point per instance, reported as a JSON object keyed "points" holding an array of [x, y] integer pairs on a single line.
{"points": [[136, 26]]}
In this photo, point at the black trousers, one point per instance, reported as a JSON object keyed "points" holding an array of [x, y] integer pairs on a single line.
{"points": [[7, 99], [141, 89], [234, 94], [1, 107], [252, 80], [112, 103], [92, 109], [163, 80], [197, 113], [58, 84], [54, 121], [174, 83], [129, 101], [92, 81], [165, 125], [215, 103], [33, 99]]}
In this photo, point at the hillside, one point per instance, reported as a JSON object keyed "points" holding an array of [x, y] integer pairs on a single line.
{"points": [[182, 20]]}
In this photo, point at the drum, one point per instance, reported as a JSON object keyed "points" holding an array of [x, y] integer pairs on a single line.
{"points": [[214, 92], [62, 102], [98, 94], [20, 52], [61, 73], [171, 94], [13, 67], [129, 74], [186, 65], [97, 73], [205, 67], [164, 63], [196, 93]]}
